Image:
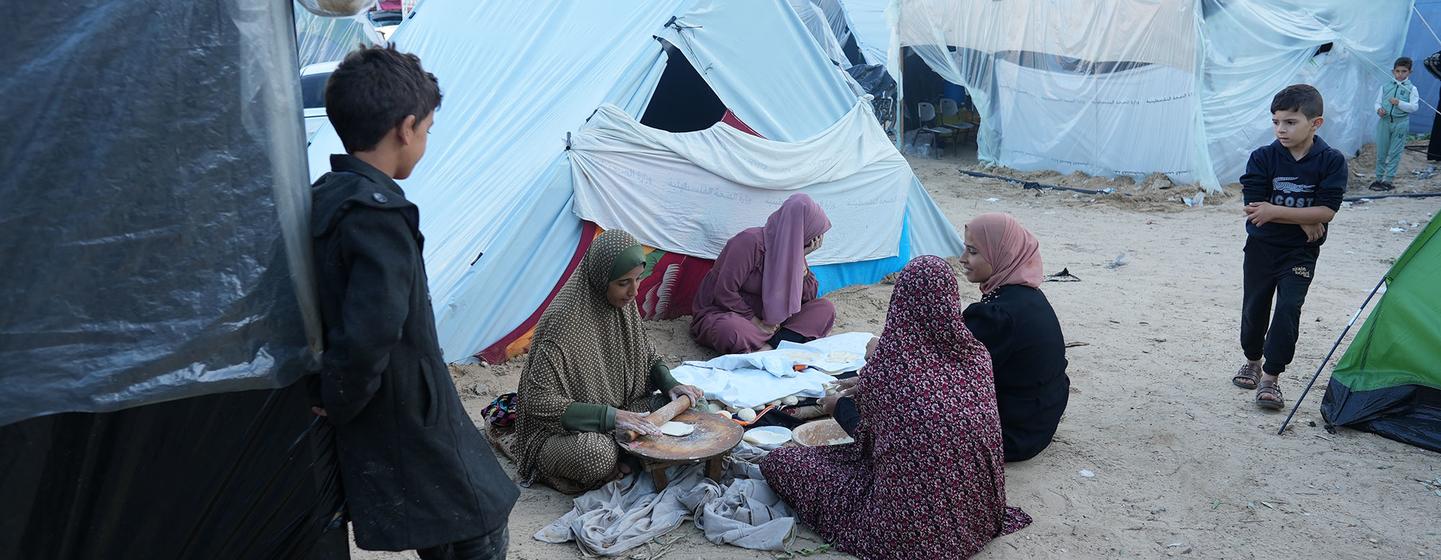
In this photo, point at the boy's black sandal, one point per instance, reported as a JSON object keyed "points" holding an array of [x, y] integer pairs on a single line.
{"points": [[1271, 388]]}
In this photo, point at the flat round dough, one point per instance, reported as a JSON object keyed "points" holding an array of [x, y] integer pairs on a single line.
{"points": [[677, 429]]}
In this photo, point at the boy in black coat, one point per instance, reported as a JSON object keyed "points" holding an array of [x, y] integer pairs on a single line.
{"points": [[417, 473], [1292, 190]]}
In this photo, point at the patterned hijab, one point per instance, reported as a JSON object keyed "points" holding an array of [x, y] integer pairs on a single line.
{"points": [[928, 414], [585, 349], [1014, 253], [787, 230]]}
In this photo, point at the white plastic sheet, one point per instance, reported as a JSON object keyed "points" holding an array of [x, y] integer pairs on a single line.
{"points": [[1109, 89], [651, 182], [327, 39], [1131, 87]]}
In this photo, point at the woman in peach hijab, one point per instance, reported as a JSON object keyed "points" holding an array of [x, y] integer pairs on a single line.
{"points": [[1018, 326]]}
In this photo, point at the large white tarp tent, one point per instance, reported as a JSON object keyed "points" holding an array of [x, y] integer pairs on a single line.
{"points": [[1132, 87], [496, 185]]}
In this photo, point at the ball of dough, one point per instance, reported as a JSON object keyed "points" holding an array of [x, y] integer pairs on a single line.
{"points": [[677, 429]]}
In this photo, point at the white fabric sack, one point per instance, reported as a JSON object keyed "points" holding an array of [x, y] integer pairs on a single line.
{"points": [[751, 380], [691, 192]]}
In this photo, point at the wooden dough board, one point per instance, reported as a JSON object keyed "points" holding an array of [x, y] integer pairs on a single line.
{"points": [[714, 435]]}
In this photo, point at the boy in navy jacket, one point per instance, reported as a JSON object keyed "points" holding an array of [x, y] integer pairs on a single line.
{"points": [[1292, 189]]}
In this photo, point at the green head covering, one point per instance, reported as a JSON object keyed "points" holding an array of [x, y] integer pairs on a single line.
{"points": [[585, 350], [628, 259]]}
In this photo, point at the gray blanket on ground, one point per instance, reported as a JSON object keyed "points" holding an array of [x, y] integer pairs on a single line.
{"points": [[627, 513]]}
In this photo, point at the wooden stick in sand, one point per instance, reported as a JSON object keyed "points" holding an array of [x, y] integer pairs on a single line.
{"points": [[660, 416]]}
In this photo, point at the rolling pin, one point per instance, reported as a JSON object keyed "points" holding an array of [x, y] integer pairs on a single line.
{"points": [[660, 416]]}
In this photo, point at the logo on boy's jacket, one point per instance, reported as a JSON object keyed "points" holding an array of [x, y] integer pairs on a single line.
{"points": [[1288, 194], [1302, 271]]}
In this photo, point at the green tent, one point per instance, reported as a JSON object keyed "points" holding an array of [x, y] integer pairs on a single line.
{"points": [[1389, 381]]}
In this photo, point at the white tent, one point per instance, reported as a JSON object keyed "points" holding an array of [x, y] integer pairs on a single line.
{"points": [[496, 187], [1132, 87]]}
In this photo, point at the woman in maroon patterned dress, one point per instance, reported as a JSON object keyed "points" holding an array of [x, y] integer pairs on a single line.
{"points": [[926, 477]]}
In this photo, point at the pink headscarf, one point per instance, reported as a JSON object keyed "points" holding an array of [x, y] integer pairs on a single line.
{"points": [[787, 230], [1014, 253]]}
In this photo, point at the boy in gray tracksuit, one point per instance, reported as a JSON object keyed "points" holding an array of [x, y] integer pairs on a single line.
{"points": [[1396, 101]]}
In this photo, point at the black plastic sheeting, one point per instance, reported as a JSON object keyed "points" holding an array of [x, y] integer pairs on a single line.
{"points": [[156, 265], [154, 176], [230, 476], [1406, 413]]}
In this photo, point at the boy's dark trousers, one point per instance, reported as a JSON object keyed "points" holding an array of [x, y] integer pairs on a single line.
{"points": [[1283, 273]]}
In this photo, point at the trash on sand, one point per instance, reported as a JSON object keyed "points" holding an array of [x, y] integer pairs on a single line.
{"points": [[1076, 344], [993, 199], [1086, 473], [1196, 201], [1119, 262], [1063, 276], [1398, 230]]}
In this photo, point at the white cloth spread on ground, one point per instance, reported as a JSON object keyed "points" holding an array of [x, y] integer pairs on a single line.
{"points": [[627, 513], [691, 192], [751, 380]]}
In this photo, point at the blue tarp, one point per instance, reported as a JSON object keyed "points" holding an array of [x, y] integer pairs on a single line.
{"points": [[1420, 43]]}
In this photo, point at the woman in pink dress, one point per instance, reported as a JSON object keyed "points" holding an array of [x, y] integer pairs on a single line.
{"points": [[925, 478], [760, 291]]}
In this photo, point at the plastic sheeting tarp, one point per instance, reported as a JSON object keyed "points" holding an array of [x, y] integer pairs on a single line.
{"points": [[651, 182], [820, 29], [328, 39], [154, 202], [1180, 87], [495, 187], [1108, 90], [871, 28], [230, 476]]}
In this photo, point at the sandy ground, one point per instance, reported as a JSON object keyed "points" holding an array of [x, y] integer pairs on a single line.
{"points": [[1184, 464]]}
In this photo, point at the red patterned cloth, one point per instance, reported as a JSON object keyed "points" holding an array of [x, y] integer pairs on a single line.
{"points": [[926, 476]]}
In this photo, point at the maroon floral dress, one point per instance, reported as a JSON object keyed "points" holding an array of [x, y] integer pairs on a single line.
{"points": [[926, 477]]}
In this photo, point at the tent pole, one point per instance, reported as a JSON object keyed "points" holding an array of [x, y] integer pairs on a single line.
{"points": [[900, 108], [1355, 316]]}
